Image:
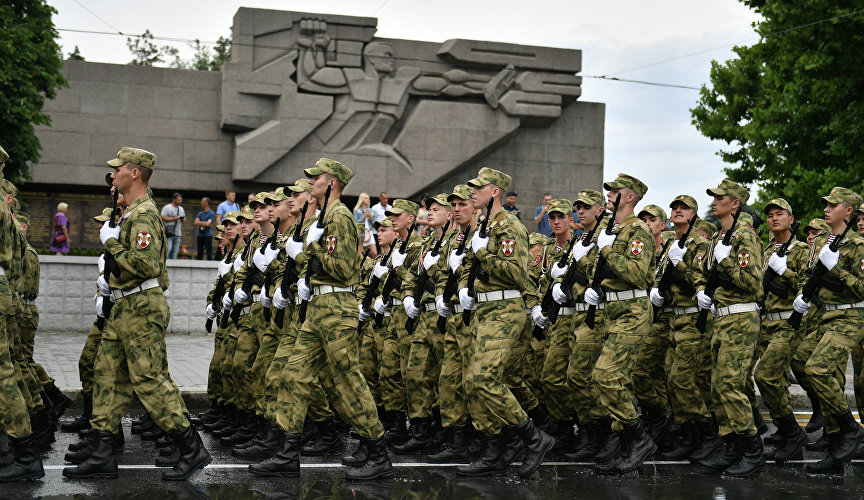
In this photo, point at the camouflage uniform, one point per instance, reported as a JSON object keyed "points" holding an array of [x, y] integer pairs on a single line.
{"points": [[372, 337], [537, 348]]}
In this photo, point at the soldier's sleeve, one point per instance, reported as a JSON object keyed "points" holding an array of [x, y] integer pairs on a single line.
{"points": [[852, 273], [744, 264], [503, 261], [407, 272], [142, 259], [691, 265], [365, 276], [341, 264], [631, 255], [241, 275], [796, 263]]}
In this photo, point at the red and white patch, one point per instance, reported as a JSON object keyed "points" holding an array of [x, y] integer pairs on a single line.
{"points": [[143, 239], [537, 259], [331, 243], [861, 265], [743, 259], [507, 247], [636, 247]]}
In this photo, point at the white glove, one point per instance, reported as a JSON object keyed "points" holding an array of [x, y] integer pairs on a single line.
{"points": [[538, 318], [555, 271], [478, 242], [828, 258], [271, 253], [260, 261], [102, 283], [314, 233], [656, 298], [592, 298], [265, 300], [293, 248], [101, 263], [99, 301], [703, 300], [379, 306], [675, 253], [412, 310], [379, 270], [227, 302], [303, 290], [363, 314], [238, 262], [279, 302], [398, 258], [800, 305], [455, 260], [210, 312], [240, 297], [777, 263], [721, 251], [558, 294], [604, 240], [466, 300], [580, 250], [441, 307], [224, 268], [430, 260], [107, 232]]}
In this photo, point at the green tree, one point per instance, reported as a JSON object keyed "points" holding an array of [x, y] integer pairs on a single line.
{"points": [[790, 107], [30, 73], [75, 55], [146, 53]]}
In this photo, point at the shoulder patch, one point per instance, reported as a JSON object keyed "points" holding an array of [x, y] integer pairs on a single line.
{"points": [[636, 247], [330, 243], [537, 259], [143, 239], [507, 247], [743, 259]]}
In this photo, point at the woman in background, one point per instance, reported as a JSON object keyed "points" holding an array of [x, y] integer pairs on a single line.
{"points": [[362, 215], [60, 238]]}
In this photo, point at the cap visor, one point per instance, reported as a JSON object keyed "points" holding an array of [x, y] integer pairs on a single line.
{"points": [[116, 162], [715, 192], [476, 183], [312, 172], [830, 199], [609, 186], [393, 211]]}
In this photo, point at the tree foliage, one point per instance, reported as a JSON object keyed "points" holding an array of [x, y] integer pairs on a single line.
{"points": [[145, 52], [31, 64], [791, 107]]}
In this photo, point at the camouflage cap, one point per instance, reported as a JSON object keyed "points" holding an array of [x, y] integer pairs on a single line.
{"points": [[704, 226], [300, 186], [779, 203], [277, 195], [385, 222], [23, 218], [538, 239], [491, 176], [401, 205], [218, 237], [440, 199], [841, 194], [654, 210], [8, 187], [332, 167], [104, 216], [730, 188], [220, 227], [590, 197], [140, 157], [745, 219], [561, 206], [247, 213], [232, 217], [260, 199], [629, 182], [818, 225], [687, 200], [462, 191]]}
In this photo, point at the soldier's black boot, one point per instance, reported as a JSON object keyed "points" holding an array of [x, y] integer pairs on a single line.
{"points": [[119, 441], [357, 458], [328, 440], [59, 400], [100, 464], [660, 426], [265, 448], [81, 421], [817, 421], [542, 419], [193, 455], [41, 430], [828, 464], [564, 434], [456, 450], [142, 424], [708, 438], [377, 464], [758, 420], [397, 432], [686, 445], [639, 447], [595, 437], [225, 419], [285, 463], [26, 464], [537, 444], [753, 459], [310, 431], [421, 437], [236, 422], [820, 444], [792, 439], [513, 445], [722, 461], [170, 458], [611, 443], [246, 430], [491, 463], [261, 427], [851, 435]]}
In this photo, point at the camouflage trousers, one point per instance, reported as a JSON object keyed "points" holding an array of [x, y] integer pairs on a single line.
{"points": [[87, 360], [498, 327], [587, 345], [424, 366], [455, 374], [689, 383], [393, 361], [534, 361], [650, 377], [516, 366], [269, 338], [732, 347], [858, 374], [328, 350], [841, 331], [812, 336], [229, 395], [779, 341], [249, 334], [628, 323], [30, 321], [553, 377], [131, 359], [214, 371], [13, 409], [371, 348], [28, 382]]}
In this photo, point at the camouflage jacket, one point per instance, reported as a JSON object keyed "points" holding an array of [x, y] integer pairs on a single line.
{"points": [[7, 252], [433, 275], [29, 284], [366, 277], [844, 284], [780, 293], [405, 274], [451, 244], [629, 261], [140, 250], [681, 290], [740, 273], [229, 276], [336, 251], [277, 267]]}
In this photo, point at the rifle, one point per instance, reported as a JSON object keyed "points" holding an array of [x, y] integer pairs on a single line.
{"points": [[223, 321], [290, 275], [372, 289], [666, 277], [810, 292], [452, 281], [422, 284], [268, 277], [390, 284], [714, 277], [475, 264], [601, 263], [220, 289], [770, 274], [249, 282], [313, 267], [110, 265]]}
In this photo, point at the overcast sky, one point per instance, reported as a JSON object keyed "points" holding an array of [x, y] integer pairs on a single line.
{"points": [[648, 130]]}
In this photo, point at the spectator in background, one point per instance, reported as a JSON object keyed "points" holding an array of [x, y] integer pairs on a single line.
{"points": [[204, 221], [226, 206], [510, 204], [541, 216], [378, 210], [363, 215], [173, 217], [60, 235], [250, 199], [423, 217]]}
